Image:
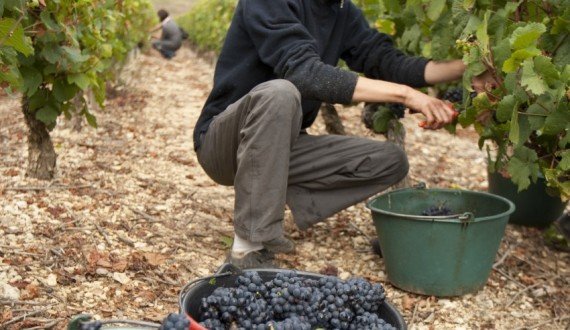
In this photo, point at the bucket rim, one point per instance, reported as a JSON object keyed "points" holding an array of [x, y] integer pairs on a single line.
{"points": [[448, 219]]}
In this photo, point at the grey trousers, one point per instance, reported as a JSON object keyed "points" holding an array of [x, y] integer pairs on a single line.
{"points": [[257, 146]]}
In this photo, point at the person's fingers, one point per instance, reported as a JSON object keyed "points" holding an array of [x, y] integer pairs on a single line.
{"points": [[435, 109], [429, 117]]}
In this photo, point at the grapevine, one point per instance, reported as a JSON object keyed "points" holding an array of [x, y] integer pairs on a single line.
{"points": [[53, 52]]}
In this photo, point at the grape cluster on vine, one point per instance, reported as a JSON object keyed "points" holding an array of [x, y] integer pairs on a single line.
{"points": [[453, 95], [289, 301], [398, 109]]}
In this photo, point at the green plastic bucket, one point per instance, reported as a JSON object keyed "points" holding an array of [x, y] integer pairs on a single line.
{"points": [[439, 255], [534, 207]]}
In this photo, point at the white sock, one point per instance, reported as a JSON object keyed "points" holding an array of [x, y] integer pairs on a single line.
{"points": [[241, 247]]}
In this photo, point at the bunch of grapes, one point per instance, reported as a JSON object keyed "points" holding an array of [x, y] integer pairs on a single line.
{"points": [[289, 301], [398, 109], [95, 325], [175, 322], [437, 210], [453, 95]]}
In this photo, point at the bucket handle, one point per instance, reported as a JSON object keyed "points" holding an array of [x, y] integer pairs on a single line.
{"points": [[466, 217]]}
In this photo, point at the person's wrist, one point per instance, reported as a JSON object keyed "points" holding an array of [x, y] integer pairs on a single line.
{"points": [[407, 95]]}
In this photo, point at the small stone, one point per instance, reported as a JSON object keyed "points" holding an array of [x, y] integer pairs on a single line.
{"points": [[121, 278], [101, 271], [9, 292], [51, 280]]}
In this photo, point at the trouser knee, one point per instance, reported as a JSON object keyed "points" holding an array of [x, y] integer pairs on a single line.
{"points": [[281, 98], [392, 163]]}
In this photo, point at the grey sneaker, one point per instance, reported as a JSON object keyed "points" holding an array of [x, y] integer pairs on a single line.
{"points": [[255, 259], [280, 245]]}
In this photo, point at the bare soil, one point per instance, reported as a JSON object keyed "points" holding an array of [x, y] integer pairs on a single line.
{"points": [[131, 217]]}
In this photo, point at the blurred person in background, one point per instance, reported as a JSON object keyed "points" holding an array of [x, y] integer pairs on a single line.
{"points": [[171, 38]]}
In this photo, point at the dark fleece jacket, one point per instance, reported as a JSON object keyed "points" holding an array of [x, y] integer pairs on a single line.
{"points": [[302, 41]]}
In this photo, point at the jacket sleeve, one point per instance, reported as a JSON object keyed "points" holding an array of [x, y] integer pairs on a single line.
{"points": [[284, 44], [373, 53]]}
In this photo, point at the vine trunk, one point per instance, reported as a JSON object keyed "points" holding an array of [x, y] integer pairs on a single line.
{"points": [[41, 154]]}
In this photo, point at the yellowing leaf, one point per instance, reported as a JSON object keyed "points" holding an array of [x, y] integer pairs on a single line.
{"points": [[531, 80], [527, 35]]}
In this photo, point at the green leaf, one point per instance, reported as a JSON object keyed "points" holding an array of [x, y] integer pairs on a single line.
{"points": [[565, 141], [531, 80], [505, 108], [410, 38], [513, 63], [501, 52], [565, 76], [64, 91], [468, 4], [32, 80], [537, 116], [522, 166], [482, 35], [227, 241], [80, 79], [47, 115], [49, 23], [12, 33], [75, 54], [544, 67], [481, 102], [51, 52], [385, 26], [557, 121], [435, 9], [91, 120], [561, 185], [527, 35], [564, 164], [514, 134], [38, 100], [381, 118]]}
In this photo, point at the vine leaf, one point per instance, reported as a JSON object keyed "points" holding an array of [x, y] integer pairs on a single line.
{"points": [[505, 108], [537, 115], [565, 161], [522, 167], [482, 34], [12, 33], [526, 36], [80, 79], [435, 9], [75, 54], [49, 23], [557, 120], [47, 115], [32, 79], [514, 62], [533, 82]]}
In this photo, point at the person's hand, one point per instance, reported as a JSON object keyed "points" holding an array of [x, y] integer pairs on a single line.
{"points": [[437, 112], [484, 82]]}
